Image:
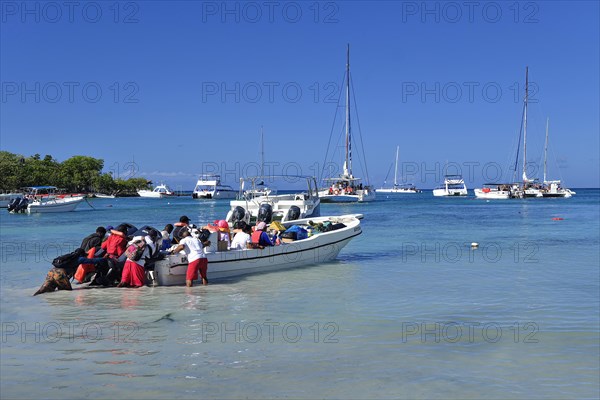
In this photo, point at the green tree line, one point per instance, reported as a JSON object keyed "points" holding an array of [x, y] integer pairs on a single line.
{"points": [[76, 174]]}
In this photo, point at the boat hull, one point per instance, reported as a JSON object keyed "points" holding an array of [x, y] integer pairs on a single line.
{"points": [[449, 193], [360, 197], [215, 195], [492, 194], [54, 205], [320, 248]]}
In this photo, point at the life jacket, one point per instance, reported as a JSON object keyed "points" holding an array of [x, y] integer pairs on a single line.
{"points": [[85, 269], [256, 236]]}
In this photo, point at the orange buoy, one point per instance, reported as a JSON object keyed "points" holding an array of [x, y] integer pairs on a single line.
{"points": [[557, 219]]}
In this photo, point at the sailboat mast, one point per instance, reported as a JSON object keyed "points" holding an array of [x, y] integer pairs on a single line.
{"points": [[546, 149], [396, 169], [525, 125], [262, 154], [348, 137]]}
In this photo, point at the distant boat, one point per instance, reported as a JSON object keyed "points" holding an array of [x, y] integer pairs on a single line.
{"points": [[44, 199], [210, 187], [398, 188], [454, 185], [553, 188], [346, 188], [159, 192], [104, 196], [494, 191]]}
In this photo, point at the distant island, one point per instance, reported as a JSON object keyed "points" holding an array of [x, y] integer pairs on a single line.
{"points": [[78, 174]]}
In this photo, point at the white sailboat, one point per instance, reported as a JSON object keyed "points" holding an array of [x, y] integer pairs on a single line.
{"points": [[346, 188], [553, 188], [398, 188], [530, 187]]}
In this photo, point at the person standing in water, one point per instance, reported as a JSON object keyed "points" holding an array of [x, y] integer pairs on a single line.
{"points": [[194, 249]]}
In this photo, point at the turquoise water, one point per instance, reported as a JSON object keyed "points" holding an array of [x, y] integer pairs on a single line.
{"points": [[408, 310]]}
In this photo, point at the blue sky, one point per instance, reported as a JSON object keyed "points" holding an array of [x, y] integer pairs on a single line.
{"points": [[181, 88]]}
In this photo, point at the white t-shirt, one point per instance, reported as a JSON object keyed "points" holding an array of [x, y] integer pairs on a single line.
{"points": [[240, 240], [193, 248]]}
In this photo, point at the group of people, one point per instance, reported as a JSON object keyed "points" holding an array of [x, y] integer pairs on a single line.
{"points": [[114, 256]]}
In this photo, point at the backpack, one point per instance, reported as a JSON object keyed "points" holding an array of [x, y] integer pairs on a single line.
{"points": [[135, 250], [68, 261]]}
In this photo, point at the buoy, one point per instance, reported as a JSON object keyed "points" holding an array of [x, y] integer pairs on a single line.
{"points": [[557, 219], [474, 245]]}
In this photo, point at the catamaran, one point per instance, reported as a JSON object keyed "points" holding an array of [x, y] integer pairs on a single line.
{"points": [[347, 188], [398, 188], [454, 185]]}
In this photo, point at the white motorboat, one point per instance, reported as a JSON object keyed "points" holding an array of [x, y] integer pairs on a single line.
{"points": [[454, 185], [316, 249], [494, 191], [44, 199], [346, 188], [253, 197], [54, 204], [6, 198], [159, 192], [408, 188], [552, 188], [210, 187], [104, 196]]}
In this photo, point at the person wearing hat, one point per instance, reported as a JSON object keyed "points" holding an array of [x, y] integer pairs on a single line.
{"points": [[180, 227], [260, 236]]}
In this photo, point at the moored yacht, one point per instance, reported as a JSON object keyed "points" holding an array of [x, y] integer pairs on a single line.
{"points": [[160, 191], [495, 191], [347, 188], [210, 187], [454, 185]]}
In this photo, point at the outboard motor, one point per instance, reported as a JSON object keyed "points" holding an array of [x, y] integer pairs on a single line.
{"points": [[18, 205], [239, 214], [265, 213], [12, 205], [293, 213]]}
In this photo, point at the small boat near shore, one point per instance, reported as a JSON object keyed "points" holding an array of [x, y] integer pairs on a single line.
{"points": [[44, 199], [316, 249], [158, 193]]}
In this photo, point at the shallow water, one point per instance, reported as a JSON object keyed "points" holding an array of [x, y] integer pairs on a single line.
{"points": [[408, 310]]}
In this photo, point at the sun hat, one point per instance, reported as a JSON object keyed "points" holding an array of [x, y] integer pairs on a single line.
{"points": [[261, 225], [223, 225]]}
